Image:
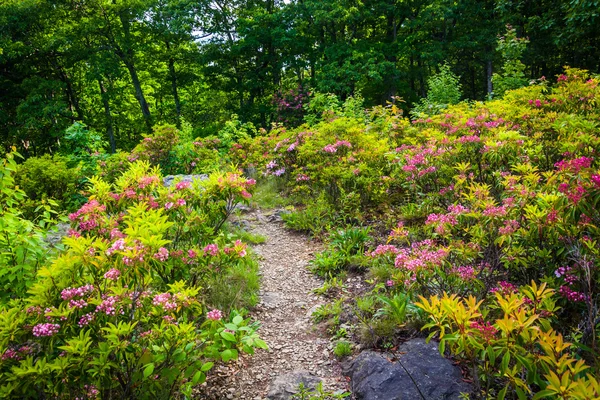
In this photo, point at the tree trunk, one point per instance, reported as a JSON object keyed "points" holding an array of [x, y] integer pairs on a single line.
{"points": [[139, 93], [173, 76], [490, 87], [108, 115], [71, 97], [127, 56]]}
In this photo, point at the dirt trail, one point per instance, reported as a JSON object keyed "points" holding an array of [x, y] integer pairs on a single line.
{"points": [[286, 304]]}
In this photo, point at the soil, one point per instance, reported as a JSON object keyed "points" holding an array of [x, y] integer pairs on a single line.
{"points": [[284, 312]]}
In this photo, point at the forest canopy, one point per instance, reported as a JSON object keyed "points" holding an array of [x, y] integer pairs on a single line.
{"points": [[123, 66]]}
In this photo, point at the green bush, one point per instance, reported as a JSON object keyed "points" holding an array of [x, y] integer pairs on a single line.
{"points": [[49, 177], [342, 349], [22, 247], [444, 89]]}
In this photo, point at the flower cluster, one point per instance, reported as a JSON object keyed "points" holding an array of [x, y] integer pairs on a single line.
{"points": [[333, 148], [510, 226], [383, 249], [45, 329], [575, 165], [465, 272], [166, 301], [421, 255], [89, 217], [504, 288], [112, 274], [214, 315], [161, 255], [211, 249], [485, 329], [108, 305]]}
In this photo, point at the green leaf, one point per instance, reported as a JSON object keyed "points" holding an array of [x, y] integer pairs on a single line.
{"points": [[261, 344], [502, 393], [199, 377], [491, 355], [206, 366], [238, 320], [505, 361], [228, 336], [231, 327], [148, 370], [226, 355]]}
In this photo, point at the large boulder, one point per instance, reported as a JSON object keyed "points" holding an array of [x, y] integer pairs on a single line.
{"points": [[419, 373], [285, 386]]}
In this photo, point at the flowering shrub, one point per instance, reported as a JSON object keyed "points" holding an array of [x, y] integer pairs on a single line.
{"points": [[508, 343], [290, 106], [126, 310], [481, 196], [175, 152]]}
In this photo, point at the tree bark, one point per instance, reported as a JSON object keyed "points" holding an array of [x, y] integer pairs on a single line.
{"points": [[127, 56], [139, 93], [490, 87], [173, 76], [108, 115]]}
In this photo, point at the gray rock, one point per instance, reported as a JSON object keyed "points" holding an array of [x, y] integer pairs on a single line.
{"points": [[285, 386], [270, 299], [170, 179], [54, 236], [420, 373]]}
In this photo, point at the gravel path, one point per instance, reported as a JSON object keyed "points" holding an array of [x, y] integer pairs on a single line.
{"points": [[284, 312]]}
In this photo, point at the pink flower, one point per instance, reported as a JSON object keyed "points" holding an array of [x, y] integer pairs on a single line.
{"points": [[571, 295], [211, 249], [486, 330], [146, 181], [466, 273], [108, 305], [45, 329], [10, 354], [504, 288], [86, 319], [165, 300], [343, 143], [495, 211], [182, 185], [161, 255], [71, 293], [384, 249], [271, 164], [509, 227], [119, 245], [169, 205], [115, 233], [214, 315], [596, 180], [112, 275], [329, 149], [575, 165]]}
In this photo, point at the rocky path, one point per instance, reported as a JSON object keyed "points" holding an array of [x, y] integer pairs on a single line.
{"points": [[286, 305]]}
